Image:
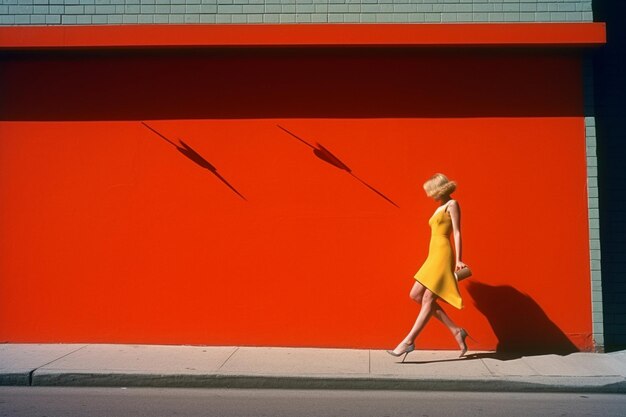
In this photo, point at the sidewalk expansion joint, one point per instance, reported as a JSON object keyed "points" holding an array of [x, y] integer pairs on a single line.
{"points": [[32, 373], [523, 358], [493, 374], [228, 358]]}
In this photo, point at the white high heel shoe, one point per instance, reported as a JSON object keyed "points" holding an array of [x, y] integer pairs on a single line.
{"points": [[410, 348]]}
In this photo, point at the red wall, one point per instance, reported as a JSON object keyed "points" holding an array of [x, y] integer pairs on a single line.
{"points": [[110, 233]]}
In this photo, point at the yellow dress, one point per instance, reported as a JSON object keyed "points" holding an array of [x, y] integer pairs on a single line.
{"points": [[437, 272]]}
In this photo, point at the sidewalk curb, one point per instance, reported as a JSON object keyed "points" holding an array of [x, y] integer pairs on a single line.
{"points": [[615, 385], [15, 378]]}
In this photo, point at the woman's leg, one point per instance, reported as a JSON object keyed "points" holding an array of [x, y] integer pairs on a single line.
{"points": [[426, 311], [417, 293], [440, 314], [428, 299]]}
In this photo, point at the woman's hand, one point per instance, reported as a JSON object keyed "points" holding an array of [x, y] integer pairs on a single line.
{"points": [[459, 265]]}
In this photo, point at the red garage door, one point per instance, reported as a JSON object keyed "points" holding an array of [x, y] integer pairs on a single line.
{"points": [[273, 197]]}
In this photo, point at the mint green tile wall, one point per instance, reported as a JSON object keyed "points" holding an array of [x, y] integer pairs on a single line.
{"points": [[82, 12]]}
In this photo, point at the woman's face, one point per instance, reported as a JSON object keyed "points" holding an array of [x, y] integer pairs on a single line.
{"points": [[434, 197]]}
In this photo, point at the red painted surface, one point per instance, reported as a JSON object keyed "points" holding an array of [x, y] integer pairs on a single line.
{"points": [[485, 34], [111, 233]]}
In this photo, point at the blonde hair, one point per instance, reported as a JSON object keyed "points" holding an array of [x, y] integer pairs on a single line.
{"points": [[439, 185]]}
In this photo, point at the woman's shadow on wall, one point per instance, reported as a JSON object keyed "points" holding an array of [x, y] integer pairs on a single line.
{"points": [[518, 322]]}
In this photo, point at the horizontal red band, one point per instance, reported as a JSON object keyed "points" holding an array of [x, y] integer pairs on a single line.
{"points": [[150, 35]]}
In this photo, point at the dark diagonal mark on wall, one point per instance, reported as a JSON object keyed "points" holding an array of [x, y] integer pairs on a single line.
{"points": [[327, 156], [190, 153]]}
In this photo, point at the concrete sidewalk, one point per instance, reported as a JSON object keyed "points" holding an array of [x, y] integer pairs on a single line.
{"points": [[305, 368]]}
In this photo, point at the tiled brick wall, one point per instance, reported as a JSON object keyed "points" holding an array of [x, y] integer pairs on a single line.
{"points": [[54, 12], [593, 203]]}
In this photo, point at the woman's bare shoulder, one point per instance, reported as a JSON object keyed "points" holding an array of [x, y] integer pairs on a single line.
{"points": [[454, 205]]}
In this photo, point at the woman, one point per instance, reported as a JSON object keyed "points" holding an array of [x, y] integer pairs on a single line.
{"points": [[435, 278]]}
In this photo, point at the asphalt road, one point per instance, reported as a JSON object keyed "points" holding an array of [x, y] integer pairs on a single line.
{"points": [[155, 402]]}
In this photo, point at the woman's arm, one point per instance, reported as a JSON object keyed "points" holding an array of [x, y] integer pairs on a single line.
{"points": [[455, 216]]}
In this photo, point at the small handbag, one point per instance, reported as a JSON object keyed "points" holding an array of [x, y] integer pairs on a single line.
{"points": [[463, 273]]}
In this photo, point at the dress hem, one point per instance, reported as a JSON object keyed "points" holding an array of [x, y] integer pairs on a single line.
{"points": [[438, 296]]}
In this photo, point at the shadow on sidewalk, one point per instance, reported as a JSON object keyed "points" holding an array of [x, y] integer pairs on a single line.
{"points": [[519, 323], [501, 356]]}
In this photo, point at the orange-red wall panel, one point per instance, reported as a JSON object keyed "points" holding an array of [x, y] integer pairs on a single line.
{"points": [[285, 34], [112, 233]]}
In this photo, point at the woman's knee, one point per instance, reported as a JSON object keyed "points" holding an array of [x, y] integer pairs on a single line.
{"points": [[416, 294]]}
